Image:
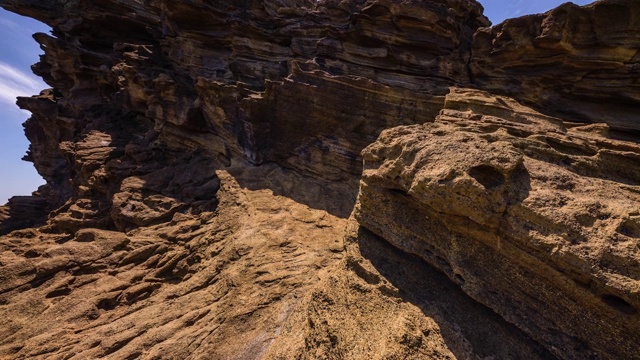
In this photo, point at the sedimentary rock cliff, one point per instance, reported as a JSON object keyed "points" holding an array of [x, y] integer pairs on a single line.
{"points": [[336, 179], [578, 63]]}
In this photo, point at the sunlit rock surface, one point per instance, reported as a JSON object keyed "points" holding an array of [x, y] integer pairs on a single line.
{"points": [[533, 219]]}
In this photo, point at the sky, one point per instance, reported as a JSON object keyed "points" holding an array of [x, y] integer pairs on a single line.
{"points": [[18, 51], [499, 10]]}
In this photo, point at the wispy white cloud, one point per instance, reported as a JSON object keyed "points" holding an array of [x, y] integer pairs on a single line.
{"points": [[8, 24], [14, 83]]}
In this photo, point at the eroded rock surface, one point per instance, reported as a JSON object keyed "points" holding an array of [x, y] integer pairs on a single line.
{"points": [[206, 198], [217, 284], [533, 219], [579, 63]]}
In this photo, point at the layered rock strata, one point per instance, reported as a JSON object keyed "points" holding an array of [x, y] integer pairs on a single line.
{"points": [[242, 79], [578, 63], [536, 220], [203, 160]]}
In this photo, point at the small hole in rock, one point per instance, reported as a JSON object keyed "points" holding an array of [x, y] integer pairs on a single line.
{"points": [[399, 193], [486, 175], [107, 304], [31, 254], [58, 292]]}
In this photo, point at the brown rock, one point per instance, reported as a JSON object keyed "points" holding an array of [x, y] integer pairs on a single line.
{"points": [[205, 285], [579, 63], [202, 161], [530, 218], [22, 212]]}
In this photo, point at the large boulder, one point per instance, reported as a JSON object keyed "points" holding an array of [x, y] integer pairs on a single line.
{"points": [[535, 219]]}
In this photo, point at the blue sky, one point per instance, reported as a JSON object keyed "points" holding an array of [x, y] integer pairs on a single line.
{"points": [[499, 10], [18, 51]]}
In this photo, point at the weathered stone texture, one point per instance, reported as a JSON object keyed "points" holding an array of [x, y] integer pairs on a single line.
{"points": [[579, 63], [530, 218], [206, 196]]}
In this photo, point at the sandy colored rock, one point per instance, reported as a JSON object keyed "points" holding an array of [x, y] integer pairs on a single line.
{"points": [[529, 217], [216, 284]]}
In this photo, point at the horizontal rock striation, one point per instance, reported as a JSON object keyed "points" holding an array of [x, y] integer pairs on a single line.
{"points": [[579, 63], [206, 196], [235, 81], [533, 219]]}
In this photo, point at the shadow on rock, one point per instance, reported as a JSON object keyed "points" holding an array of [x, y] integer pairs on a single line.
{"points": [[23, 212], [336, 198], [469, 328]]}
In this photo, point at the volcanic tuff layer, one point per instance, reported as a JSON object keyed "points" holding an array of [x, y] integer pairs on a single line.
{"points": [[206, 196]]}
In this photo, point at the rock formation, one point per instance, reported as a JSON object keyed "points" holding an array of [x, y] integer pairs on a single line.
{"points": [[578, 63], [517, 209], [327, 180]]}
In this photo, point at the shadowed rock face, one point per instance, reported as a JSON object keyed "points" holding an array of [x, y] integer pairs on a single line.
{"points": [[206, 196], [234, 79]]}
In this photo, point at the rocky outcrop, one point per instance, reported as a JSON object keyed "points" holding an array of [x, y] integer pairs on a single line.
{"points": [[533, 219], [21, 212], [233, 86], [578, 63], [217, 284], [206, 196]]}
